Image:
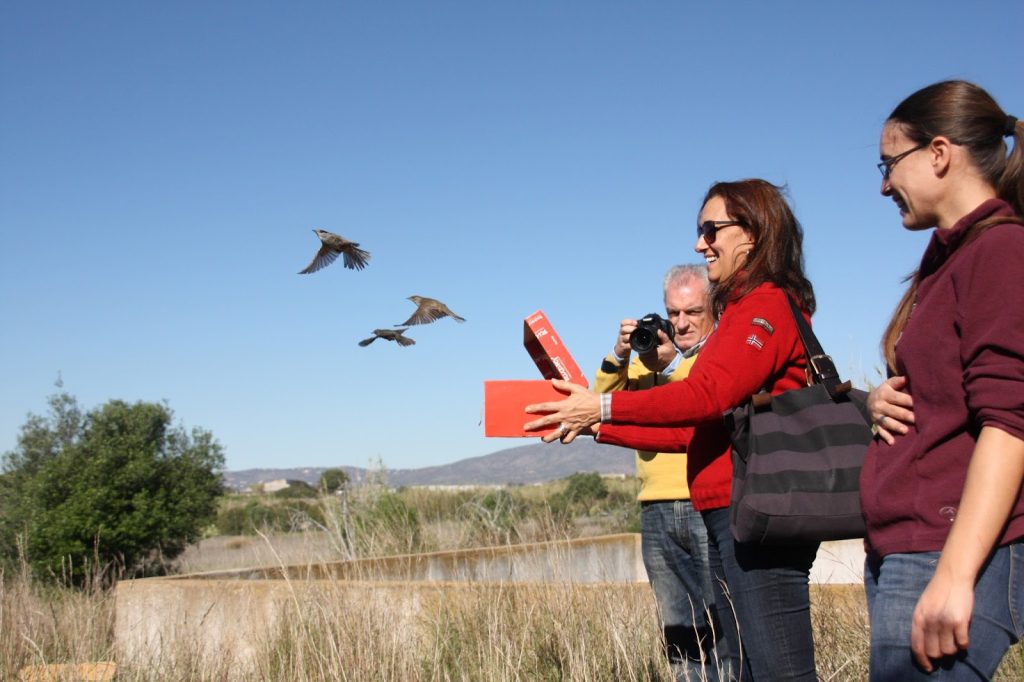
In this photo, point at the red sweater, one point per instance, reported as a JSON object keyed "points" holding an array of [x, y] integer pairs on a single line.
{"points": [[756, 345], [962, 352]]}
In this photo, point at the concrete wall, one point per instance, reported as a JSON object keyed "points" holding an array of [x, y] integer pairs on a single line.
{"points": [[607, 558], [839, 563]]}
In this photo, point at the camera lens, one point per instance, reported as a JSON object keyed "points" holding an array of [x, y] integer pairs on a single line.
{"points": [[643, 340]]}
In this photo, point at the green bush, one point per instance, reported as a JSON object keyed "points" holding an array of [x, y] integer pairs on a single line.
{"points": [[331, 480], [117, 486], [386, 524], [295, 490], [493, 517], [585, 487], [257, 515]]}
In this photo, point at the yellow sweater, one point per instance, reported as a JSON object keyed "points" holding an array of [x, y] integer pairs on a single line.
{"points": [[662, 474]]}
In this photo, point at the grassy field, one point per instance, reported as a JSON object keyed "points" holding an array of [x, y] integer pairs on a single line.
{"points": [[476, 632]]}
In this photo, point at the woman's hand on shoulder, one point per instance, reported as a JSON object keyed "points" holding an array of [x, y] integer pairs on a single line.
{"points": [[891, 408]]}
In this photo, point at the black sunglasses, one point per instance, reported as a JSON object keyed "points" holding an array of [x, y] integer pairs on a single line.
{"points": [[709, 228], [885, 166]]}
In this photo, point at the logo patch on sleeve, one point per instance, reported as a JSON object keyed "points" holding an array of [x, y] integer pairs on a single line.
{"points": [[763, 324], [757, 343]]}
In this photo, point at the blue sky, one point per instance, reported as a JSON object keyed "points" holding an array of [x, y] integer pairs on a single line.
{"points": [[162, 166]]}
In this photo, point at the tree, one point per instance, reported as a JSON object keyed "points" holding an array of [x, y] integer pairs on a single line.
{"points": [[295, 490], [585, 487], [582, 491], [331, 480], [120, 485]]}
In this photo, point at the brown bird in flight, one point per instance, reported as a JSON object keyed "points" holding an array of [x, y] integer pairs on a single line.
{"points": [[428, 310], [331, 247], [388, 335]]}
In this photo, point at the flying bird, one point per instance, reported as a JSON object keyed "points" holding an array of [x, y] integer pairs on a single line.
{"points": [[331, 247], [388, 335], [428, 310]]}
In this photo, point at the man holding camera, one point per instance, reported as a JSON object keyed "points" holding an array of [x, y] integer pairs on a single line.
{"points": [[673, 538]]}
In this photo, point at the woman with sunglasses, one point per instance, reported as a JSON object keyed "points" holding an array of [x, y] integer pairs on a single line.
{"points": [[941, 485], [752, 244]]}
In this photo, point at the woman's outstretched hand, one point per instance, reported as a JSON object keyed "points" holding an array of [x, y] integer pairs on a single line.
{"points": [[575, 415], [891, 408]]}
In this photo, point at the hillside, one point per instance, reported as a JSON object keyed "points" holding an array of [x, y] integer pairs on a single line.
{"points": [[534, 463]]}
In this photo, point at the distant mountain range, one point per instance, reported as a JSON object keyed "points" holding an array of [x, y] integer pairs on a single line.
{"points": [[535, 463]]}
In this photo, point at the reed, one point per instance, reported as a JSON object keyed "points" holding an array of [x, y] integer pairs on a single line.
{"points": [[471, 632], [351, 630]]}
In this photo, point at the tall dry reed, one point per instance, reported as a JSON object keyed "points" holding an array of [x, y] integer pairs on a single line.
{"points": [[43, 622], [470, 632], [359, 630]]}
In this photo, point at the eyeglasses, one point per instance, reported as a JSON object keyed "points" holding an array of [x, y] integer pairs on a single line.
{"points": [[885, 166], [709, 228]]}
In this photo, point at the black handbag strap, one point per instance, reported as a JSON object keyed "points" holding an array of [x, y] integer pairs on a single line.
{"points": [[822, 369]]}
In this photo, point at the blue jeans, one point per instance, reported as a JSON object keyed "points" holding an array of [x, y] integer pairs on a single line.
{"points": [[895, 583], [763, 602], [674, 543]]}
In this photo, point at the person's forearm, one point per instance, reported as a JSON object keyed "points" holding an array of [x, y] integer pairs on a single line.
{"points": [[992, 487], [652, 438], [727, 373]]}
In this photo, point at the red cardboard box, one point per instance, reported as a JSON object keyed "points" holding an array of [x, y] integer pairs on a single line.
{"points": [[548, 352], [504, 401]]}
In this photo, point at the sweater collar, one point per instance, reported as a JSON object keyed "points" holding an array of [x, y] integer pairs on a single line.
{"points": [[945, 242]]}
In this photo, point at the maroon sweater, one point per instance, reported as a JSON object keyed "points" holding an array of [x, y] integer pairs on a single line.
{"points": [[756, 345], [962, 352]]}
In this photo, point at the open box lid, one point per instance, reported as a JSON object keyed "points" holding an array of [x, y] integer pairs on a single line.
{"points": [[548, 352], [504, 401]]}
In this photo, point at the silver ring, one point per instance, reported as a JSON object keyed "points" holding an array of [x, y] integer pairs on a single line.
{"points": [[881, 421]]}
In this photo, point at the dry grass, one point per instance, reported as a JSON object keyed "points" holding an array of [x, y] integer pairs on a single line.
{"points": [[473, 632], [465, 632], [839, 616], [42, 624], [333, 631]]}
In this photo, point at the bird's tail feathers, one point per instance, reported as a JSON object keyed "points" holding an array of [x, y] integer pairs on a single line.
{"points": [[357, 259]]}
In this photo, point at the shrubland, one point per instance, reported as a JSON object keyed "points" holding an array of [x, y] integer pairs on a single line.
{"points": [[559, 631]]}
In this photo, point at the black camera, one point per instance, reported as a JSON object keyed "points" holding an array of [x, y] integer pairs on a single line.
{"points": [[644, 338]]}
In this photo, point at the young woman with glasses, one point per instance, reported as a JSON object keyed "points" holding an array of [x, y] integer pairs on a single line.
{"points": [[941, 485], [752, 244]]}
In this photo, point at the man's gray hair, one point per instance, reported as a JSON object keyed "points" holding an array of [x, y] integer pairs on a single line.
{"points": [[684, 273]]}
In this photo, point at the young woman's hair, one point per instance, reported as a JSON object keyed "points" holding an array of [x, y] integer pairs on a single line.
{"points": [[969, 117], [777, 255]]}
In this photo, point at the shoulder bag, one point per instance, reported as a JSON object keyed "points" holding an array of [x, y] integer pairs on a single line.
{"points": [[797, 457]]}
